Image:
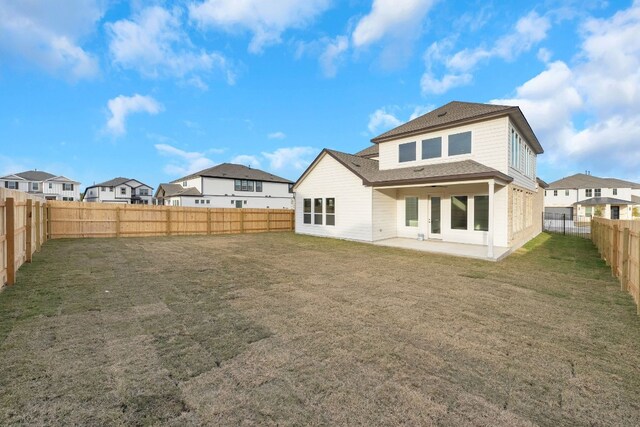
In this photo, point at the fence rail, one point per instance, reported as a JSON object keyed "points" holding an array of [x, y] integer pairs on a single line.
{"points": [[618, 242], [22, 231], [76, 219]]}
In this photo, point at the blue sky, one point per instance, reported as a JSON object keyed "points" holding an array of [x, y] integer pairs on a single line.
{"points": [[95, 89]]}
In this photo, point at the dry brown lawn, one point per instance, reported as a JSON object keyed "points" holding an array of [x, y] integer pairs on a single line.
{"points": [[293, 330]]}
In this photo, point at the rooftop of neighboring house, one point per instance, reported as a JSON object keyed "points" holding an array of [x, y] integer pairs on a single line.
{"points": [[120, 181], [171, 190], [458, 113], [583, 180], [235, 171], [369, 152], [37, 176]]}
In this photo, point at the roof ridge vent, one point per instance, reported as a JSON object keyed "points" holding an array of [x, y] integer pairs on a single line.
{"points": [[442, 114]]}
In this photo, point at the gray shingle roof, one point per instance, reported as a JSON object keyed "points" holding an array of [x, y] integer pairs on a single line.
{"points": [[457, 113], [594, 201], [177, 190], [581, 180], [35, 175], [117, 181], [234, 171], [369, 152], [371, 175]]}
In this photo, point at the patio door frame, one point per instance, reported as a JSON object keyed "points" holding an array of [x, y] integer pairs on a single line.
{"points": [[430, 233]]}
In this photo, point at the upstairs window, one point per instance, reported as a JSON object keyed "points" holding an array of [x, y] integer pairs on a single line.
{"points": [[407, 152], [588, 192], [50, 185], [566, 192], [598, 192], [123, 190], [67, 187], [259, 186], [555, 192], [432, 148], [11, 185], [34, 186], [184, 183], [460, 143], [237, 185], [290, 188], [615, 191], [307, 211]]}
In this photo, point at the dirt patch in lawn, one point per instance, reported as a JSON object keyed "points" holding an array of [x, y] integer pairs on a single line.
{"points": [[289, 330]]}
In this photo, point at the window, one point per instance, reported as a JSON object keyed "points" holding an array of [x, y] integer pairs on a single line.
{"points": [[514, 148], [588, 211], [175, 202], [407, 152], [208, 201], [123, 190], [50, 185], [111, 189], [481, 213], [459, 212], [615, 191], [103, 188], [184, 183], [197, 201], [259, 186], [237, 185], [34, 186], [245, 185], [555, 192], [307, 211], [331, 211], [432, 148], [67, 187], [588, 192], [290, 188], [144, 192], [67, 199], [598, 192], [460, 143], [566, 192], [317, 211], [411, 211]]}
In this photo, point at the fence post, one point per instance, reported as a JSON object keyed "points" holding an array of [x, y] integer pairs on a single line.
{"points": [[241, 220], [168, 221], [614, 251], [292, 215], [48, 221], [28, 237], [638, 281], [268, 220], [564, 224], [10, 224], [208, 220], [625, 259], [38, 227], [117, 221]]}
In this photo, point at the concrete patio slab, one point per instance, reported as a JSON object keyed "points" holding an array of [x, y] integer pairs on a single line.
{"points": [[448, 248]]}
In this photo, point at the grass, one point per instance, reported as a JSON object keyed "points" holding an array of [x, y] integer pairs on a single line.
{"points": [[290, 330]]}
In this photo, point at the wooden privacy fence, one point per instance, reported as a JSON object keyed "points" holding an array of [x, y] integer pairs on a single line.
{"points": [[77, 219], [618, 242], [22, 231]]}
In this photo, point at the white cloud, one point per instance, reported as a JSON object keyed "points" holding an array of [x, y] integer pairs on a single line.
{"points": [[154, 44], [297, 158], [529, 30], [48, 35], [332, 55], [121, 106], [183, 162], [266, 20], [397, 18], [420, 110], [277, 135], [381, 120], [590, 112], [247, 160]]}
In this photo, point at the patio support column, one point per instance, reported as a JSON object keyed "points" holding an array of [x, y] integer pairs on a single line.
{"points": [[491, 208]]}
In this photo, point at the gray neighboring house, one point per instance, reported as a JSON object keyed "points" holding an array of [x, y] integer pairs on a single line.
{"points": [[45, 184], [120, 190], [228, 185], [585, 195]]}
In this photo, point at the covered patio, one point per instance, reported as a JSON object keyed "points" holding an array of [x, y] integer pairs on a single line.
{"points": [[465, 250]]}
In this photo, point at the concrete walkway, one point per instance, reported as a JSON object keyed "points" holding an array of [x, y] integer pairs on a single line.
{"points": [[448, 248]]}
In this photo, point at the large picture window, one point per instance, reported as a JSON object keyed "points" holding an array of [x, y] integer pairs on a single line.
{"points": [[317, 211], [407, 152], [459, 209], [432, 148], [411, 211], [330, 211], [460, 143], [307, 211], [481, 213]]}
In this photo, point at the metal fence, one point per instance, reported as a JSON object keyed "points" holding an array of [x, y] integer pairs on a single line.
{"points": [[567, 224]]}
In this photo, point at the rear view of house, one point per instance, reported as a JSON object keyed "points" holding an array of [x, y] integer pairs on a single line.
{"points": [[120, 190], [45, 184], [463, 173]]}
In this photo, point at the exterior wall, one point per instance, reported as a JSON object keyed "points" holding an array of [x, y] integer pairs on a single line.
{"points": [[519, 175], [230, 202], [43, 187], [193, 182], [353, 217], [384, 214], [488, 146], [577, 195], [626, 211], [221, 192], [525, 214]]}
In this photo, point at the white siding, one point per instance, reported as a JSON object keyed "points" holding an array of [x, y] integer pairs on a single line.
{"points": [[384, 214], [221, 192], [252, 202], [353, 201], [488, 146]]}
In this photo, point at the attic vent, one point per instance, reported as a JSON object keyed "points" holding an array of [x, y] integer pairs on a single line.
{"points": [[442, 114], [355, 164], [418, 169]]}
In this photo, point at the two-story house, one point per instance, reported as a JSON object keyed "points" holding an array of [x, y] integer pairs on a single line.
{"points": [[228, 185], [120, 190], [584, 195], [45, 184], [463, 173]]}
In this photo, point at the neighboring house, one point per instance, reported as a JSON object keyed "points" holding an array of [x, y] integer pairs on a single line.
{"points": [[120, 190], [47, 185], [584, 195], [463, 173], [228, 186]]}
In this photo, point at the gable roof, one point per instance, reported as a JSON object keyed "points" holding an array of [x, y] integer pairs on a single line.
{"points": [[369, 152], [171, 190], [595, 201], [368, 170], [458, 113], [118, 181], [581, 180], [34, 175], [235, 171]]}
